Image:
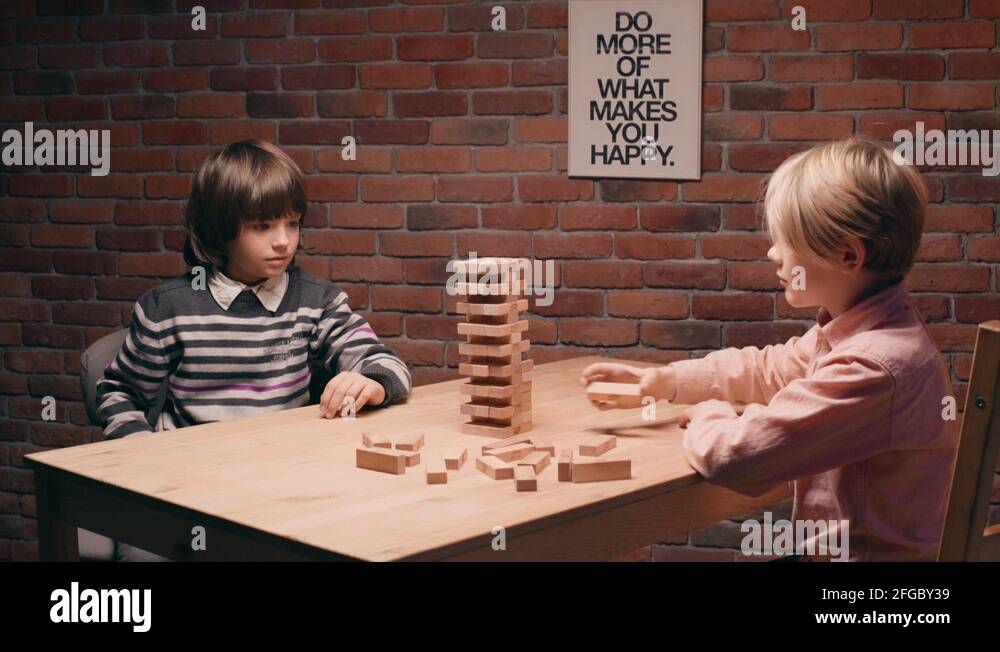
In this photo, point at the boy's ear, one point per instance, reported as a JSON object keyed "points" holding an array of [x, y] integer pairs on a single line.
{"points": [[853, 258]]}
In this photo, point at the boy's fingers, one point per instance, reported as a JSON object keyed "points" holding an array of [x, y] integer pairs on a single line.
{"points": [[351, 392], [363, 398], [333, 394]]}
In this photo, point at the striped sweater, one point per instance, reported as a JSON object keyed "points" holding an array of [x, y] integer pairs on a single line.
{"points": [[221, 364]]}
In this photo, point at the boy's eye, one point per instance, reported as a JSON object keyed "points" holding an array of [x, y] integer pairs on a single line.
{"points": [[263, 226], [293, 223]]}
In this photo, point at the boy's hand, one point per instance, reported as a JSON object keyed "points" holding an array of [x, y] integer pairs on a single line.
{"points": [[362, 389], [658, 382]]}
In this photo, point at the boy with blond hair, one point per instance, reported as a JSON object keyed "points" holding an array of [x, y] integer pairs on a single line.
{"points": [[851, 412]]}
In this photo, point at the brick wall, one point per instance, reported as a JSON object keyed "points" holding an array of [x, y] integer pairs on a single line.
{"points": [[462, 146]]}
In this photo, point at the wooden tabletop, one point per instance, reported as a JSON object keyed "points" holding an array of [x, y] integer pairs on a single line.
{"points": [[293, 474]]}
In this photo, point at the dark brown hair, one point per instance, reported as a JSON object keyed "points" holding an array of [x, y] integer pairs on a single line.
{"points": [[248, 181]]}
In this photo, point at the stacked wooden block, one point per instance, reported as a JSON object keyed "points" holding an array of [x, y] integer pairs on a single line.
{"points": [[499, 371]]}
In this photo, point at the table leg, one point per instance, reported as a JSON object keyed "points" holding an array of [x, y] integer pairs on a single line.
{"points": [[57, 539]]}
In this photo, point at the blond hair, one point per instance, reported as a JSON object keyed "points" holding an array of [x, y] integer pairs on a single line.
{"points": [[818, 198]]}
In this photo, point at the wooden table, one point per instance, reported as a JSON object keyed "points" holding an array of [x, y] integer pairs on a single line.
{"points": [[284, 485]]}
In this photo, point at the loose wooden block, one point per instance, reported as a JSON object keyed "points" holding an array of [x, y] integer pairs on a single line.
{"points": [[524, 478], [495, 467], [512, 453], [565, 466], [410, 442], [626, 394], [437, 473], [488, 430], [412, 457], [598, 445], [454, 458], [373, 440], [385, 460], [544, 446], [537, 460], [601, 469], [510, 441]]}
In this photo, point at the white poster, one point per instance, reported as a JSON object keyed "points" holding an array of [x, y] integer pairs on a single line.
{"points": [[635, 88]]}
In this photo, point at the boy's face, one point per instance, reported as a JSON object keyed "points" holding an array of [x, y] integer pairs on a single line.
{"points": [[262, 250], [806, 283]]}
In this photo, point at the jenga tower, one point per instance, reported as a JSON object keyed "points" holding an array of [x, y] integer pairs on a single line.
{"points": [[499, 371]]}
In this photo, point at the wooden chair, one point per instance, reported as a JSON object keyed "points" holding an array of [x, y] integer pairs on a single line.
{"points": [[964, 538]]}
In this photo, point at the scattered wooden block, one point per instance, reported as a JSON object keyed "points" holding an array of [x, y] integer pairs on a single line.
{"points": [[627, 395], [385, 460], [495, 467], [437, 473], [598, 445], [454, 458], [509, 441], [373, 440], [525, 479], [544, 446], [410, 442], [512, 453], [412, 457], [601, 469], [537, 460], [565, 466]]}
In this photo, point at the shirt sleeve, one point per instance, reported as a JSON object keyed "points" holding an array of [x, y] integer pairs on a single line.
{"points": [[839, 415], [744, 375], [345, 342], [149, 354]]}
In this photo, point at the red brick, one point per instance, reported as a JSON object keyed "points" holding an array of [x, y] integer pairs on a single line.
{"points": [[598, 332], [21, 58], [470, 75], [865, 36], [90, 313], [934, 36], [43, 83], [433, 159], [231, 131], [974, 65], [859, 95], [986, 248], [547, 14], [647, 304], [759, 158], [597, 217], [500, 102], [540, 73], [406, 19], [971, 309], [62, 287], [112, 185], [313, 133], [984, 9], [975, 188], [770, 98], [475, 188], [352, 104], [602, 274], [810, 67], [397, 188], [323, 77], [513, 159], [737, 10], [729, 306], [728, 68], [104, 82], [759, 335], [884, 125], [67, 56], [735, 246], [331, 188], [23, 310], [952, 96], [764, 38], [178, 132], [941, 248], [724, 188], [356, 48], [454, 131], [112, 28], [148, 213], [150, 264], [574, 245], [551, 188], [123, 289], [541, 130], [421, 217], [84, 262], [244, 79], [334, 21], [479, 18], [138, 55], [732, 127], [901, 66], [211, 105], [80, 237], [132, 107], [284, 50], [194, 53], [174, 80], [511, 45], [417, 244], [391, 132], [927, 277], [76, 108], [168, 186], [255, 24], [753, 276], [653, 246], [427, 104], [810, 127], [40, 185], [280, 105], [680, 335], [679, 218], [179, 27]]}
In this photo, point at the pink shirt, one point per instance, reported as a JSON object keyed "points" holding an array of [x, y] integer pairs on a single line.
{"points": [[851, 413]]}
